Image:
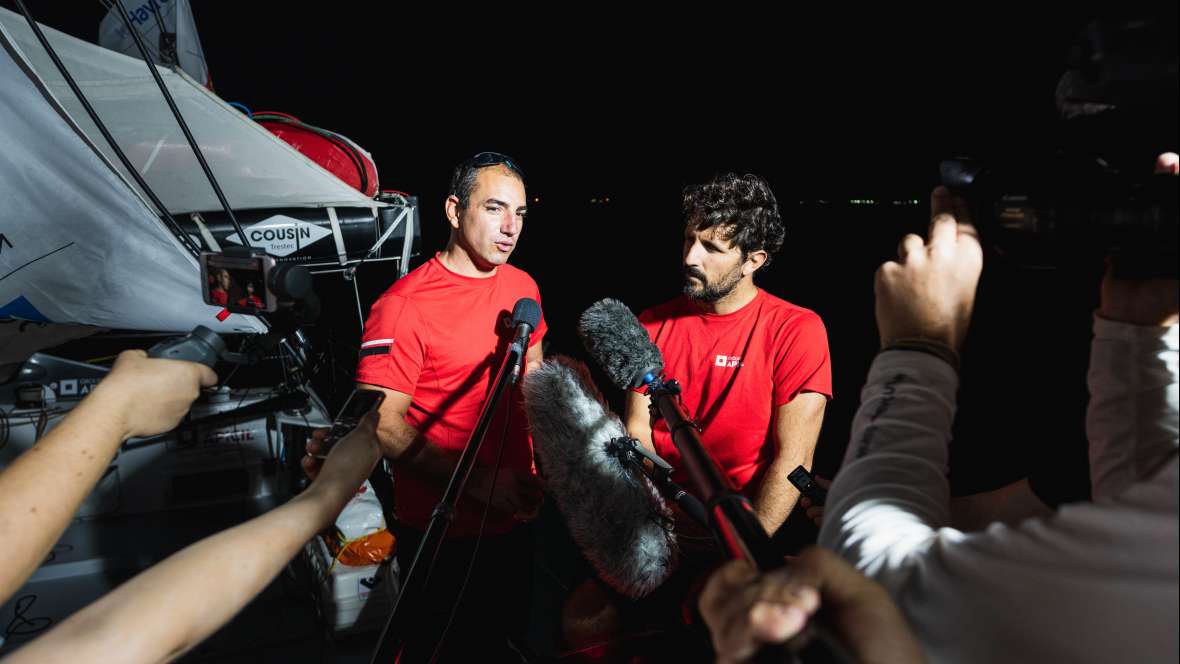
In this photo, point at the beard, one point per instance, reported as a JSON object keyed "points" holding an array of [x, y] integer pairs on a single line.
{"points": [[704, 291]]}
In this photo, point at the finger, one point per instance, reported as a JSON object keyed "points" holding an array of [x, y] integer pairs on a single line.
{"points": [[311, 466], [805, 502], [775, 623], [1168, 163], [823, 481], [719, 589], [910, 244], [315, 446], [940, 202], [207, 376], [320, 434], [367, 425], [884, 274]]}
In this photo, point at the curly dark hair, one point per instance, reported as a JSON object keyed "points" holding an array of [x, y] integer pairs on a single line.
{"points": [[741, 207]]}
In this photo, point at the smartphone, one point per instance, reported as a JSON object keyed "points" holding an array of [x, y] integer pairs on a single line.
{"points": [[238, 283], [360, 403], [807, 486]]}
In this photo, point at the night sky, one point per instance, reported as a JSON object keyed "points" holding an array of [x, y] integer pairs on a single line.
{"points": [[634, 104]]}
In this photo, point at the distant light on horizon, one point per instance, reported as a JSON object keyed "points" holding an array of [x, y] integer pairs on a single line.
{"points": [[908, 202]]}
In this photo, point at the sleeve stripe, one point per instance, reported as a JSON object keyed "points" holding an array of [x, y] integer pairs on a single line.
{"points": [[377, 342], [374, 350]]}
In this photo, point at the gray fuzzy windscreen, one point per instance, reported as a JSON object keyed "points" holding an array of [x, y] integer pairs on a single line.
{"points": [[615, 515], [618, 343]]}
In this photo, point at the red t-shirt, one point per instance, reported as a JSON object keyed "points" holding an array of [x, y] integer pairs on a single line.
{"points": [[440, 337], [219, 296], [735, 371]]}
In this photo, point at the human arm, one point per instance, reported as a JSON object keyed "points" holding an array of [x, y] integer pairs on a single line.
{"points": [[173, 606], [516, 492], [1131, 420], [637, 418], [892, 494], [139, 397], [796, 428]]}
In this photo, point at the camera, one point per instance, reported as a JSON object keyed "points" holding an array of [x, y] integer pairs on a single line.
{"points": [[1095, 192]]}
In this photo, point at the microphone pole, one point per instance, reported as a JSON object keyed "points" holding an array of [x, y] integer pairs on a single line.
{"points": [[631, 451], [406, 610], [732, 517], [734, 522]]}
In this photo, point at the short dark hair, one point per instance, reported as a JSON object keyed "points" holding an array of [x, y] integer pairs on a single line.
{"points": [[463, 179], [741, 207]]}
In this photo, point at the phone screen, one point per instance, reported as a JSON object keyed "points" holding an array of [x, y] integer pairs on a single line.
{"points": [[359, 404], [807, 485], [237, 283]]}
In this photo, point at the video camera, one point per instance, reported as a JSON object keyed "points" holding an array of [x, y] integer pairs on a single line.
{"points": [[1096, 192]]}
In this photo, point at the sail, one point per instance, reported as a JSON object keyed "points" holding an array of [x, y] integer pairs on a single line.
{"points": [[256, 169], [177, 44], [79, 245]]}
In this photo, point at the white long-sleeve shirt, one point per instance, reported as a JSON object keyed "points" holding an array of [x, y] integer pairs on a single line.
{"points": [[1096, 582]]}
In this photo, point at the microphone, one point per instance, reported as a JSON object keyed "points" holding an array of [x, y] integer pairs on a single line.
{"points": [[615, 515], [619, 344], [526, 315]]}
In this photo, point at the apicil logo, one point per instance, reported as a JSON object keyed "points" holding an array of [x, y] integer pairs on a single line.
{"points": [[281, 235]]}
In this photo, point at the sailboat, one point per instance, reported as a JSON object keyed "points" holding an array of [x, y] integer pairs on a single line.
{"points": [[87, 247]]}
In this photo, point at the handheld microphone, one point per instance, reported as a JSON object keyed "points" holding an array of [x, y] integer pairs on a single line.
{"points": [[615, 515], [526, 315]]}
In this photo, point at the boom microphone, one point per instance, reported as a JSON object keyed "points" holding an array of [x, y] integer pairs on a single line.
{"points": [[614, 513], [619, 344]]}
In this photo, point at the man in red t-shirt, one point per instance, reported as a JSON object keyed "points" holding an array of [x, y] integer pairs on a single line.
{"points": [[756, 378], [219, 290], [433, 343], [754, 368]]}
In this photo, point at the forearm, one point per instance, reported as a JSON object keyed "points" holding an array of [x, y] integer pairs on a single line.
{"points": [[41, 491], [167, 610], [892, 492], [775, 496], [411, 452], [1131, 421], [796, 430], [637, 417]]}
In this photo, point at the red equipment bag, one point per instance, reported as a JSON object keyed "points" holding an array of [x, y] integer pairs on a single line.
{"points": [[334, 152]]}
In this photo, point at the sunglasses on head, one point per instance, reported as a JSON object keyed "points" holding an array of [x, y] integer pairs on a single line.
{"points": [[484, 159]]}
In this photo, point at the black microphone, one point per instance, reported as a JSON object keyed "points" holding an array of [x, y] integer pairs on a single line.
{"points": [[526, 315], [615, 515]]}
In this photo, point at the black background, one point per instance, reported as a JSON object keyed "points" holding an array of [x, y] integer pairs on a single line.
{"points": [[632, 105]]}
